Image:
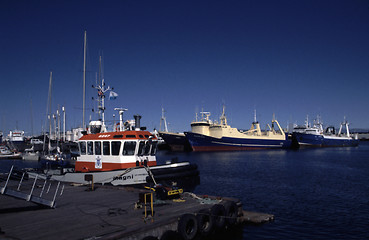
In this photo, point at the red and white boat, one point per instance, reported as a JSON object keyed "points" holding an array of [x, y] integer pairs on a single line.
{"points": [[125, 156], [121, 158]]}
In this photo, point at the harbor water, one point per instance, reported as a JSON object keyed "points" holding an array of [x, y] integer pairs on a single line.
{"points": [[320, 193]]}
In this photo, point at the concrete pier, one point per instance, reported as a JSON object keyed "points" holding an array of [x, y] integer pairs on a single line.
{"points": [[109, 213]]}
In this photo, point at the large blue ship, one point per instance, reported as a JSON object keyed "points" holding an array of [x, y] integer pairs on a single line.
{"points": [[208, 136], [315, 136]]}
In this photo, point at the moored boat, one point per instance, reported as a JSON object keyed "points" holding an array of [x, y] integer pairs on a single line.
{"points": [[315, 136], [176, 141], [208, 136], [17, 140], [6, 153], [124, 156], [31, 155]]}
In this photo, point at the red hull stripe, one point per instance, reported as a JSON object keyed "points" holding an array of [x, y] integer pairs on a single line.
{"points": [[90, 166]]}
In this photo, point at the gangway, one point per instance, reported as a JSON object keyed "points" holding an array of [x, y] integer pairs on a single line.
{"points": [[46, 196]]}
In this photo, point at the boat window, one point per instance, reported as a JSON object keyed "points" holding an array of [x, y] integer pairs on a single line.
{"points": [[90, 148], [82, 148], [140, 148], [115, 147], [141, 136], [97, 148], [153, 148], [147, 147], [106, 148], [129, 148], [130, 136], [118, 136]]}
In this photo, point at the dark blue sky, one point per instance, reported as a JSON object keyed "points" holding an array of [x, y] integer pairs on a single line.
{"points": [[290, 58]]}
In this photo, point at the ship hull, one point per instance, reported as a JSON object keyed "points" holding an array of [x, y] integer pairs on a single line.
{"points": [[184, 173], [176, 141], [311, 140], [200, 142]]}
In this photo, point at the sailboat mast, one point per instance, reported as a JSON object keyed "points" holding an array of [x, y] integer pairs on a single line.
{"points": [[84, 80], [48, 110], [31, 119], [63, 109]]}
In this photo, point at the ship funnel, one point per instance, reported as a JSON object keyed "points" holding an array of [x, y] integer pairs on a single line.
{"points": [[137, 121]]}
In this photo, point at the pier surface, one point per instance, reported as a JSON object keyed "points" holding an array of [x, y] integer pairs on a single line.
{"points": [[105, 213]]}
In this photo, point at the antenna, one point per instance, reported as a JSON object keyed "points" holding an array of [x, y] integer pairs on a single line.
{"points": [[101, 90]]}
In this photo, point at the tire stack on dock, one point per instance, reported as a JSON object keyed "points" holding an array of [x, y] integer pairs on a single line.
{"points": [[215, 216]]}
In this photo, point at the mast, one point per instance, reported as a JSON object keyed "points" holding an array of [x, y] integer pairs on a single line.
{"points": [[63, 109], [48, 110], [101, 90], [84, 81], [31, 120], [223, 119], [255, 121], [163, 119]]}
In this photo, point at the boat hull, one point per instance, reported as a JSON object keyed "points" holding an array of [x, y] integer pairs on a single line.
{"points": [[132, 176], [200, 142], [177, 142], [312, 140], [11, 156]]}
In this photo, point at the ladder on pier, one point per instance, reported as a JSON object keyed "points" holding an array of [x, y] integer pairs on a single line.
{"points": [[46, 196]]}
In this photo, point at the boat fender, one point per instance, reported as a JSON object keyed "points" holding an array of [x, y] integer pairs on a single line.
{"points": [[187, 226], [170, 235], [217, 212], [231, 212], [205, 222]]}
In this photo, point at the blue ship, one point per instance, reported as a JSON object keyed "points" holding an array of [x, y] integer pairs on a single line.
{"points": [[206, 135], [315, 136]]}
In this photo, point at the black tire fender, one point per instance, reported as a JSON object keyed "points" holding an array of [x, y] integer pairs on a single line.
{"points": [[205, 222], [231, 212], [187, 226], [217, 212]]}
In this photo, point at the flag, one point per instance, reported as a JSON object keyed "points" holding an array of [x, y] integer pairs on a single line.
{"points": [[113, 95]]}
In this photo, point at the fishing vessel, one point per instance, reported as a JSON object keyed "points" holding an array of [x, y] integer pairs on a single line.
{"points": [[206, 135], [315, 136], [177, 142], [16, 140], [124, 156]]}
